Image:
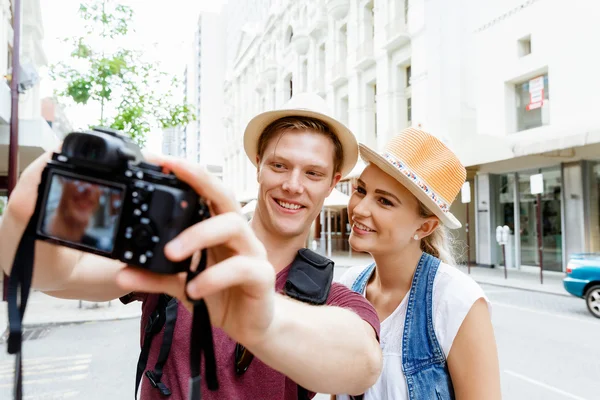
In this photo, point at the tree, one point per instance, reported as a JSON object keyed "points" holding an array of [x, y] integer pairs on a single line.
{"points": [[119, 79]]}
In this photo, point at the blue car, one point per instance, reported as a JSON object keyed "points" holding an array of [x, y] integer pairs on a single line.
{"points": [[583, 279]]}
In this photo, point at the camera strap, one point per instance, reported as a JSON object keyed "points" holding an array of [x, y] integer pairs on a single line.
{"points": [[201, 342], [19, 284]]}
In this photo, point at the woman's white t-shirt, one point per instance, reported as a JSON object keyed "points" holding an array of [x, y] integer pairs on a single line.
{"points": [[454, 293]]}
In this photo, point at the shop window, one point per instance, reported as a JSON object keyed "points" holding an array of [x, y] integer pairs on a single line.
{"points": [[533, 103]]}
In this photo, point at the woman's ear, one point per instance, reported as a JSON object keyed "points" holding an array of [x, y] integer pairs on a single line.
{"points": [[428, 226]]}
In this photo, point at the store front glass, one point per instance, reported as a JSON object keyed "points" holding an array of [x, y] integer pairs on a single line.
{"points": [[594, 207], [505, 215], [550, 217]]}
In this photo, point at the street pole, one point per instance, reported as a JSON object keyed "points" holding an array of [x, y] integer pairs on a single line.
{"points": [[468, 241], [539, 236], [13, 149]]}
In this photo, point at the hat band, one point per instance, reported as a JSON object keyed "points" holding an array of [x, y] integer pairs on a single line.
{"points": [[402, 168]]}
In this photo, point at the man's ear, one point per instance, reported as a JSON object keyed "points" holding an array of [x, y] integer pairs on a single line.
{"points": [[336, 178], [257, 167]]}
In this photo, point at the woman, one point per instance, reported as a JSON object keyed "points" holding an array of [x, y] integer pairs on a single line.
{"points": [[436, 331]]}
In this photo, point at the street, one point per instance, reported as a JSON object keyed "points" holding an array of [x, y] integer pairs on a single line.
{"points": [[548, 348]]}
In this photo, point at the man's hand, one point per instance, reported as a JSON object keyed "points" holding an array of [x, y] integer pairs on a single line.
{"points": [[238, 284]]}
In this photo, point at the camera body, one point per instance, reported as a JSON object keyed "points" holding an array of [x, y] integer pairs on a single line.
{"points": [[95, 196]]}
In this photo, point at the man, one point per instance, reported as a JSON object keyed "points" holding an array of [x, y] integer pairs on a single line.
{"points": [[73, 217], [300, 155]]}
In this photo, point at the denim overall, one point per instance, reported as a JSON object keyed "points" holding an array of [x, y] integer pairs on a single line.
{"points": [[423, 360]]}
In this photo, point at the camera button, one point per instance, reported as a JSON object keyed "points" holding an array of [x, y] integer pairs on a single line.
{"points": [[144, 207], [155, 239], [145, 221], [139, 174], [128, 255], [143, 259], [128, 173], [149, 254], [137, 212]]}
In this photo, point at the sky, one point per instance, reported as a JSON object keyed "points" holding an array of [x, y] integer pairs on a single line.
{"points": [[164, 30]]}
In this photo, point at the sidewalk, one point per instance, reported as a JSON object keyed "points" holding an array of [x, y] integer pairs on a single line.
{"points": [[516, 279], [519, 279], [47, 310], [43, 309]]}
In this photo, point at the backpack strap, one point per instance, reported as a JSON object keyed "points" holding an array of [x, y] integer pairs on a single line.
{"points": [[165, 314], [309, 280], [310, 277]]}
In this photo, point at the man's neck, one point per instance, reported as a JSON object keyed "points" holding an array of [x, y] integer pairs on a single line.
{"points": [[281, 251]]}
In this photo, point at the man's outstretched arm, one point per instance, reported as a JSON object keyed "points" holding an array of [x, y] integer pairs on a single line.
{"points": [[325, 349]]}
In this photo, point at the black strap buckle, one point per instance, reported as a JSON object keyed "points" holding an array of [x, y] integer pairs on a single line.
{"points": [[164, 390]]}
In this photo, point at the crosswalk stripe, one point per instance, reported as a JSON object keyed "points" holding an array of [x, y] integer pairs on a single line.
{"points": [[49, 371], [37, 367], [57, 379]]}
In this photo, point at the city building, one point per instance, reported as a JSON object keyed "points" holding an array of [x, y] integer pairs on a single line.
{"points": [[54, 114], [536, 88], [171, 141], [475, 74], [205, 76], [35, 134]]}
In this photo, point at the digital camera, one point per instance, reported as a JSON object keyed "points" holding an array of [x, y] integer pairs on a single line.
{"points": [[99, 196]]}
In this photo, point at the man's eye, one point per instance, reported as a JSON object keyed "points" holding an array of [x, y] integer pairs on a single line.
{"points": [[360, 190]]}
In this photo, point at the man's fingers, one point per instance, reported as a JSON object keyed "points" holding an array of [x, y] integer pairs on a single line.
{"points": [[205, 184], [228, 229], [135, 279], [234, 271]]}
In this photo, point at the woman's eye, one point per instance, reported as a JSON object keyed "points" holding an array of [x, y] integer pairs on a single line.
{"points": [[360, 190], [385, 202]]}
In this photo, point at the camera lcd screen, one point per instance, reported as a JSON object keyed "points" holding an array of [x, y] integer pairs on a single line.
{"points": [[82, 212]]}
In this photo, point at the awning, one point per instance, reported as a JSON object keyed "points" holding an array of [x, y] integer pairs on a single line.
{"points": [[336, 200], [35, 138], [357, 170]]}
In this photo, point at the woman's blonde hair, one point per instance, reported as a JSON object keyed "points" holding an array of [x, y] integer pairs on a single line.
{"points": [[440, 243]]}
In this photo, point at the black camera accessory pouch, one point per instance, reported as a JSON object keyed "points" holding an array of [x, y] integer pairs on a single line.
{"points": [[309, 280], [310, 277]]}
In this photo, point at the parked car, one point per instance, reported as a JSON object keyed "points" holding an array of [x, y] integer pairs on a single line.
{"points": [[583, 279]]}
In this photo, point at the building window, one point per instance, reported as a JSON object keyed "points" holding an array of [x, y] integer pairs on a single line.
{"points": [[533, 103], [409, 110], [408, 76], [375, 108], [594, 207], [289, 34], [524, 46], [290, 87]]}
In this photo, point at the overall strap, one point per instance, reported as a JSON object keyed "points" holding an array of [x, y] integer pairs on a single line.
{"points": [[362, 279], [420, 347]]}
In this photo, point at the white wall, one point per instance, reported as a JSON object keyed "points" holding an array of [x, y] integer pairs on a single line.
{"points": [[562, 37], [212, 76]]}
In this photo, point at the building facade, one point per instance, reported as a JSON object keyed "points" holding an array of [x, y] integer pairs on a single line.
{"points": [[204, 90], [35, 134], [536, 88], [476, 74]]}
